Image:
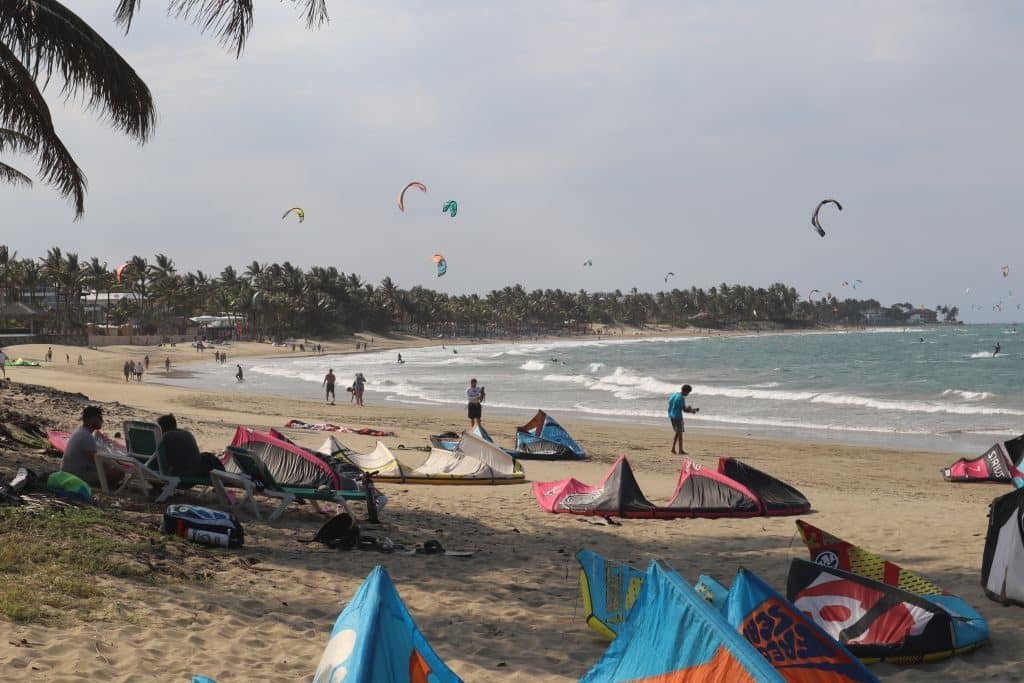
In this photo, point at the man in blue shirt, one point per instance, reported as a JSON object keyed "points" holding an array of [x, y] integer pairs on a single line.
{"points": [[676, 407]]}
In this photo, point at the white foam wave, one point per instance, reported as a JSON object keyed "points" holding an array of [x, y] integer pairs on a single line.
{"points": [[968, 395], [988, 354], [929, 407], [464, 360], [532, 365], [594, 367], [766, 385], [745, 421]]}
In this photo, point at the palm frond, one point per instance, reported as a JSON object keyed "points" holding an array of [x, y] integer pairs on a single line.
{"points": [[13, 176], [48, 38], [229, 20], [13, 141], [22, 108]]}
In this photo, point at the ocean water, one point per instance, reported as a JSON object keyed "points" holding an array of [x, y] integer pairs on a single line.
{"points": [[880, 387]]}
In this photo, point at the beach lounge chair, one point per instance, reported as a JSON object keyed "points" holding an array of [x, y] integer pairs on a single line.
{"points": [[142, 440], [257, 470], [136, 471]]}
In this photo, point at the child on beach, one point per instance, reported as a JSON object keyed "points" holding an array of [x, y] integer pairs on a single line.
{"points": [[676, 407]]}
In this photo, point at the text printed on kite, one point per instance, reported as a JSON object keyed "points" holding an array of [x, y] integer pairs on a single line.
{"points": [[401, 195], [814, 217], [297, 211]]}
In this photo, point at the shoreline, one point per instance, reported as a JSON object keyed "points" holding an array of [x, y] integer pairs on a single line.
{"points": [[102, 368]]}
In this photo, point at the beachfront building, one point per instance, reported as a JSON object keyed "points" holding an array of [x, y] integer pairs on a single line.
{"points": [[923, 316]]}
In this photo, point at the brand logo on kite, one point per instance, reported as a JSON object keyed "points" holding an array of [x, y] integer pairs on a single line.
{"points": [[827, 559]]}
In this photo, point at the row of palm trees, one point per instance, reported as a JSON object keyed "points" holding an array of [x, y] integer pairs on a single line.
{"points": [[280, 299]]}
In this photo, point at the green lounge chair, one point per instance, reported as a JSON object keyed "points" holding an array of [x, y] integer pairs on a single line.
{"points": [[257, 470]]}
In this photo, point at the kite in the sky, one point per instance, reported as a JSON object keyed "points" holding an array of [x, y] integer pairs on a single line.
{"points": [[588, 262], [401, 196], [810, 294], [120, 270], [814, 216], [1006, 271], [857, 283], [298, 212], [254, 297], [450, 206], [442, 264], [668, 275]]}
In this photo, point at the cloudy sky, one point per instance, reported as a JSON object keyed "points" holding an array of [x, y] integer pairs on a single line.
{"points": [[649, 136]]}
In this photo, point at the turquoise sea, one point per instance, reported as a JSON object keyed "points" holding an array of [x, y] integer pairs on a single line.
{"points": [[937, 388]]}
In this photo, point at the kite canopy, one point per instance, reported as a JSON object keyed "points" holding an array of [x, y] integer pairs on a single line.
{"points": [[401, 196], [770, 624], [588, 262], [1006, 271], [289, 464], [474, 461], [814, 217], [880, 622], [1002, 564], [618, 495], [442, 264], [832, 551], [542, 438], [999, 463], [451, 206], [700, 492], [672, 634], [668, 275], [969, 629], [119, 270], [376, 639], [297, 211]]}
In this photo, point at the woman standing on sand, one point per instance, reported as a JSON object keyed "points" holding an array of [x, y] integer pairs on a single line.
{"points": [[357, 388]]}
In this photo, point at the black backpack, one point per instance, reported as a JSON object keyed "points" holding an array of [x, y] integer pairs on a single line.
{"points": [[203, 525], [340, 531]]}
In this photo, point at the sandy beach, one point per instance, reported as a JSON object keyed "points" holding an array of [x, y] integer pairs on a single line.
{"points": [[509, 613]]}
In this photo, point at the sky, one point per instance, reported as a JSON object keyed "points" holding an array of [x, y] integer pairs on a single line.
{"points": [[647, 136]]}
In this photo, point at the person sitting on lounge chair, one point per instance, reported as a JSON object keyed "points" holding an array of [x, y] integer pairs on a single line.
{"points": [[181, 452], [81, 447]]}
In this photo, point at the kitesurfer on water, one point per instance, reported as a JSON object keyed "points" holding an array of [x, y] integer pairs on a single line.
{"points": [[995, 351]]}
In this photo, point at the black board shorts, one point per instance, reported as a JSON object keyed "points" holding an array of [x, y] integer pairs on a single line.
{"points": [[677, 424], [475, 411]]}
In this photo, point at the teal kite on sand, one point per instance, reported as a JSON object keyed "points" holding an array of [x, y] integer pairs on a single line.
{"points": [[450, 206]]}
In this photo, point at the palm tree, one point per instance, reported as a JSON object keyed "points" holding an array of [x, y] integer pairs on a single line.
{"points": [[39, 38]]}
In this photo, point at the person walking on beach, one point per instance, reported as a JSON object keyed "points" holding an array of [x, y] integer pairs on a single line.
{"points": [[167, 365], [146, 361], [676, 407], [474, 397], [3, 363], [239, 376], [358, 386], [49, 354], [138, 372], [127, 370], [329, 381]]}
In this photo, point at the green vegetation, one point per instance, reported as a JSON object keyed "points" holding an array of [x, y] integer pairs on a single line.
{"points": [[324, 301], [59, 561]]}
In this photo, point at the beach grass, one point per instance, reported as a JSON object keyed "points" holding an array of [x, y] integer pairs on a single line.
{"points": [[59, 561]]}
